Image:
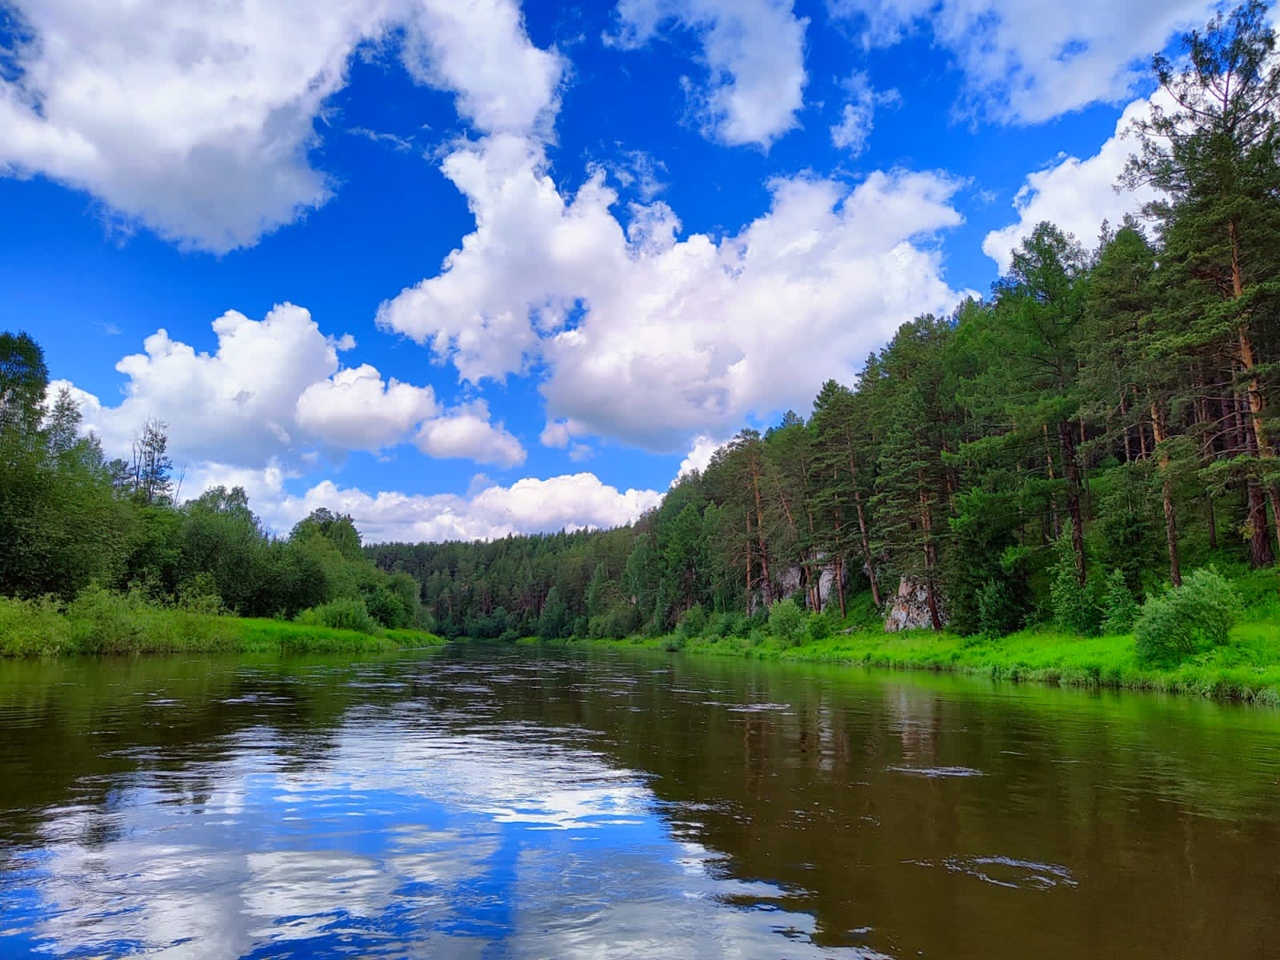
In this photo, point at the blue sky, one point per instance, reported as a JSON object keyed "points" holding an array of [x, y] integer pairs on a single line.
{"points": [[470, 268]]}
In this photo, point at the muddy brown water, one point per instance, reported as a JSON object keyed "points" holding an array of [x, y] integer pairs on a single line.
{"points": [[509, 802]]}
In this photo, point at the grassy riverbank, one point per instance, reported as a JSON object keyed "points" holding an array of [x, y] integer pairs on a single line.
{"points": [[114, 625], [1247, 669]]}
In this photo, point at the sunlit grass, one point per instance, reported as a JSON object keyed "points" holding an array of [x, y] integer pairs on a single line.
{"points": [[1246, 669], [114, 625]]}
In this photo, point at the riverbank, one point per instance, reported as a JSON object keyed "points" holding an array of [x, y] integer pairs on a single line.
{"points": [[1247, 669], [35, 628]]}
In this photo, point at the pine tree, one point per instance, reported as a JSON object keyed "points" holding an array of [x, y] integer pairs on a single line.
{"points": [[1215, 157]]}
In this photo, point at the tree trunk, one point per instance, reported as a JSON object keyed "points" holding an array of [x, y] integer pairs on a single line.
{"points": [[764, 549], [1213, 524], [866, 549], [840, 584], [1084, 463], [1253, 393], [930, 555], [1054, 524], [1260, 554], [1166, 495], [1073, 499], [1128, 440]]}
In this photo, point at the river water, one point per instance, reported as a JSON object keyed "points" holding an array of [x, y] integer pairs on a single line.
{"points": [[505, 802]]}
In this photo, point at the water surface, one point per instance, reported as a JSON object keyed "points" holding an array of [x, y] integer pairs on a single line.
{"points": [[499, 802]]}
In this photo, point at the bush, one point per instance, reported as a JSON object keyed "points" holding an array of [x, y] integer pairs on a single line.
{"points": [[693, 623], [1186, 620], [1119, 608], [342, 614], [786, 622], [1074, 608], [718, 626], [616, 622], [106, 622], [999, 612], [33, 628], [820, 626]]}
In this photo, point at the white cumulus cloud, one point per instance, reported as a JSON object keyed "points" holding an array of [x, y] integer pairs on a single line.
{"points": [[1076, 195], [198, 120], [574, 502], [857, 116], [651, 339], [753, 51], [699, 455], [355, 410], [467, 432], [273, 392], [479, 50], [1030, 62]]}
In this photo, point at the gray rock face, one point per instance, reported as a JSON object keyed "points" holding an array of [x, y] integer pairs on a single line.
{"points": [[791, 581], [910, 610], [828, 589]]}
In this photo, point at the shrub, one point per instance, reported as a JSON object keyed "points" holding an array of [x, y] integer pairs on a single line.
{"points": [[786, 622], [693, 623], [103, 622], [1186, 620], [32, 628], [739, 624], [344, 614], [388, 607], [819, 626], [999, 611], [1119, 608], [106, 622], [718, 625], [1074, 608], [616, 622]]}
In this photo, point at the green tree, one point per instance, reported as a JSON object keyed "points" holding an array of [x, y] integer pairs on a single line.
{"points": [[1214, 156]]}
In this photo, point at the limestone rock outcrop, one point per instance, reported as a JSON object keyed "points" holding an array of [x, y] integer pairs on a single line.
{"points": [[910, 610]]}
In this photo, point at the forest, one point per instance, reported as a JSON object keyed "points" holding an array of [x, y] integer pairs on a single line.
{"points": [[1056, 452], [107, 540], [1099, 427]]}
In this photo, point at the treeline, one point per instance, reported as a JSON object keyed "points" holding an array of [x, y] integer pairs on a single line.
{"points": [[1103, 421], [70, 519]]}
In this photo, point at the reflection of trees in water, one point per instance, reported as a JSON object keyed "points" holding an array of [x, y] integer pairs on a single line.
{"points": [[1159, 808]]}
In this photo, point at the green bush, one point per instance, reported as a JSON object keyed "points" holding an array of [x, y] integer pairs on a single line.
{"points": [[1183, 621], [718, 625], [999, 612], [33, 628], [343, 614], [1074, 608], [616, 622], [106, 622], [693, 623], [1119, 608], [787, 622], [819, 626]]}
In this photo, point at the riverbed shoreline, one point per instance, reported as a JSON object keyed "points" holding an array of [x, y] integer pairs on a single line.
{"points": [[42, 629], [1247, 670]]}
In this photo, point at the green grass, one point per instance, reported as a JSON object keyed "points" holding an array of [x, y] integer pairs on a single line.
{"points": [[1246, 669], [110, 624]]}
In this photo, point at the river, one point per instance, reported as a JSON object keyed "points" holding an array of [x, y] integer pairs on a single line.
{"points": [[511, 802]]}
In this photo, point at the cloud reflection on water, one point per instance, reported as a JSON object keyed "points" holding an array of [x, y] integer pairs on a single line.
{"points": [[399, 838]]}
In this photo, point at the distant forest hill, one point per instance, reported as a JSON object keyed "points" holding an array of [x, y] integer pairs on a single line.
{"points": [[1105, 414]]}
